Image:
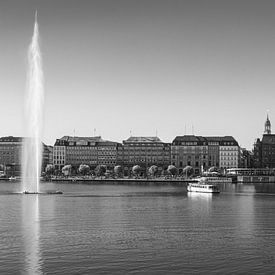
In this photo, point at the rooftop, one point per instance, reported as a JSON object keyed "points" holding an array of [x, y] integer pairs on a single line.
{"points": [[142, 140]]}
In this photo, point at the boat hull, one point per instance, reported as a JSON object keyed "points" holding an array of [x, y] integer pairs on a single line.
{"points": [[203, 188]]}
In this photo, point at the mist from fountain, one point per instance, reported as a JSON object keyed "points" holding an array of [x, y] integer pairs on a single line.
{"points": [[33, 119]]}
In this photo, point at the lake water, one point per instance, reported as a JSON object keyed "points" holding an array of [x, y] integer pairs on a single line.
{"points": [[137, 229]]}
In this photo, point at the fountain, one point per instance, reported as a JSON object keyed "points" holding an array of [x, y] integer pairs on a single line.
{"points": [[32, 145]]}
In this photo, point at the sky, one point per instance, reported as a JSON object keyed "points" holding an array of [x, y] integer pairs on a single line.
{"points": [[117, 68]]}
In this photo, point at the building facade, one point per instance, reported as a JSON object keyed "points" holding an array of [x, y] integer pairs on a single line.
{"points": [[204, 152], [189, 150], [264, 149], [229, 153], [11, 155], [91, 151], [145, 152], [246, 158], [107, 153]]}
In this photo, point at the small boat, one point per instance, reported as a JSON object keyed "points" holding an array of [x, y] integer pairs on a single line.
{"points": [[54, 192], [14, 178], [202, 188], [29, 192], [44, 193]]}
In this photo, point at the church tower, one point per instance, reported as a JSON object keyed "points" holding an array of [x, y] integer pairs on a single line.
{"points": [[267, 126]]}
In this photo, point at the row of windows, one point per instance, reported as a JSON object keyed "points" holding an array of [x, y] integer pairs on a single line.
{"points": [[82, 149], [106, 158], [229, 164], [229, 154], [58, 157], [143, 144], [234, 148], [189, 148], [140, 154], [59, 162], [228, 158], [107, 153]]}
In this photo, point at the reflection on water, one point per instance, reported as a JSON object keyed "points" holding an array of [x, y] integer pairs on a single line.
{"points": [[267, 188], [31, 233], [200, 196]]}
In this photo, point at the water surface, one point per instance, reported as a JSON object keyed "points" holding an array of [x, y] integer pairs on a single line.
{"points": [[137, 229]]}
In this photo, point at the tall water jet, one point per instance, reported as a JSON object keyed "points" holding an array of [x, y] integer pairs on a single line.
{"points": [[33, 120]]}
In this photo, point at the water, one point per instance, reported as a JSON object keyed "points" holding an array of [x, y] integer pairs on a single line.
{"points": [[116, 229], [32, 147]]}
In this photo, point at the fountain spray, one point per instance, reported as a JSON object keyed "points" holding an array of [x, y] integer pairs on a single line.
{"points": [[32, 145]]}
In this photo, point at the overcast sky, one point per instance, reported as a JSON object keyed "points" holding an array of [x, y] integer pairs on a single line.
{"points": [[142, 66]]}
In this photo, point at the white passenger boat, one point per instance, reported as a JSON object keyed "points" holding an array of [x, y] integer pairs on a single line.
{"points": [[202, 188]]}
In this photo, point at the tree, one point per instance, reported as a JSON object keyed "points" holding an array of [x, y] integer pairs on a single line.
{"points": [[100, 170], [188, 171], [49, 169], [118, 171], [66, 170], [172, 170], [84, 169], [136, 170], [153, 170]]}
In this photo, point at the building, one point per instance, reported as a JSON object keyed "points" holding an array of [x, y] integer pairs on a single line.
{"points": [[92, 151], [59, 152], [246, 158], [47, 156], [11, 153], [189, 150], [204, 152], [107, 153], [229, 153], [145, 152], [264, 149]]}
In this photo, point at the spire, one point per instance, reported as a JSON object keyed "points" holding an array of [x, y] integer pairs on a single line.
{"points": [[267, 126]]}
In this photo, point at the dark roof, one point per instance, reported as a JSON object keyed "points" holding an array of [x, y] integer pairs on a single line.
{"points": [[199, 140], [268, 139], [76, 139], [11, 139], [68, 140], [186, 138], [106, 143], [142, 140]]}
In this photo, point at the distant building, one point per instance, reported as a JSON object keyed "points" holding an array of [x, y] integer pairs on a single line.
{"points": [[145, 152], [59, 152], [246, 158], [204, 152], [107, 153], [47, 156], [11, 154], [92, 151], [229, 153], [264, 150], [189, 150]]}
